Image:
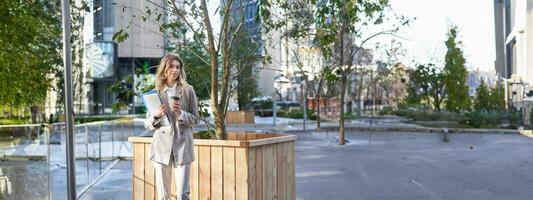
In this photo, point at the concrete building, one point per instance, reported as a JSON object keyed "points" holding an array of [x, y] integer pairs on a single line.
{"points": [[514, 47], [105, 62], [282, 78]]}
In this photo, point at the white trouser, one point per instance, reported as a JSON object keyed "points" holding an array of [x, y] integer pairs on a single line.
{"points": [[163, 175]]}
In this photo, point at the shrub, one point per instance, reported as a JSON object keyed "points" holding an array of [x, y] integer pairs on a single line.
{"points": [[386, 111], [296, 113]]}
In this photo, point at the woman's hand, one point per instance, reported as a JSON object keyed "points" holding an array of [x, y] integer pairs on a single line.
{"points": [[160, 112], [176, 107]]}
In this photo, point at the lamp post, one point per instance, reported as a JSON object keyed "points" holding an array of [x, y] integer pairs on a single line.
{"points": [[69, 120]]}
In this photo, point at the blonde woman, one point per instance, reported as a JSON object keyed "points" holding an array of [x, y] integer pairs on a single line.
{"points": [[172, 146]]}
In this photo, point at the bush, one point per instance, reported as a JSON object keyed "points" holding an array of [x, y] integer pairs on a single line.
{"points": [[263, 104], [86, 119], [13, 121], [494, 119], [417, 115], [386, 111], [350, 115], [296, 113]]}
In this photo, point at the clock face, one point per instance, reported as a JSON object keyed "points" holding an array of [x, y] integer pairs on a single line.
{"points": [[101, 59]]}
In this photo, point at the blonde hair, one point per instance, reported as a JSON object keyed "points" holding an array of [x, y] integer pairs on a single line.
{"points": [[160, 76]]}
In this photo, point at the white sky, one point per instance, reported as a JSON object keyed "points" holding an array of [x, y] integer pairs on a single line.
{"points": [[426, 34]]}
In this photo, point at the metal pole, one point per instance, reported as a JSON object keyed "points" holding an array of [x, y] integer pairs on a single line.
{"points": [[112, 140], [100, 148], [87, 150], [69, 121], [304, 101], [274, 107]]}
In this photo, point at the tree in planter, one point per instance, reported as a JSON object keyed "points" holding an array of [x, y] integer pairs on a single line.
{"points": [[482, 101], [192, 21], [338, 25], [455, 75]]}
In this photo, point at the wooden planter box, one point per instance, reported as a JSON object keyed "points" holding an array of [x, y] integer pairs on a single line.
{"points": [[249, 166], [240, 117]]}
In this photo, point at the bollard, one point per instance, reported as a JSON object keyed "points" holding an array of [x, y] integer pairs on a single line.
{"points": [[445, 132]]}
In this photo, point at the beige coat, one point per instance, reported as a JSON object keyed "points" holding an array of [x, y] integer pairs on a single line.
{"points": [[165, 140]]}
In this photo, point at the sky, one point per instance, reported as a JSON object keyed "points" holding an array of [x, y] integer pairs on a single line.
{"points": [[424, 38]]}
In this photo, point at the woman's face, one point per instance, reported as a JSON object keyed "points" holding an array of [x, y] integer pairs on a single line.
{"points": [[173, 70]]}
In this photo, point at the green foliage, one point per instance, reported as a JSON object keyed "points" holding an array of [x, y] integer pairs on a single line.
{"points": [[263, 104], [455, 75], [296, 113], [474, 119], [423, 115], [497, 98], [388, 110], [426, 83], [198, 72], [482, 119], [244, 55], [120, 36], [9, 121], [482, 100], [30, 37], [87, 119], [203, 135]]}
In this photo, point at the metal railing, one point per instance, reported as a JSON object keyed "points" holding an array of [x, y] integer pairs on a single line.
{"points": [[97, 144]]}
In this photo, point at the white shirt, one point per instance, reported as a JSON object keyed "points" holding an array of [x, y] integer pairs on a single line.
{"points": [[171, 91]]}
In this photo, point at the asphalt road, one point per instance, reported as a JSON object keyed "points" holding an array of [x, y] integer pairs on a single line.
{"points": [[414, 166]]}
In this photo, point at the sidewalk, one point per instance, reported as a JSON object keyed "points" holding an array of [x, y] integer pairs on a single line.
{"points": [[392, 166], [378, 124]]}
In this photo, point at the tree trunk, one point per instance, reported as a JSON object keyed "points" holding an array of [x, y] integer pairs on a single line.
{"points": [[360, 93], [318, 93], [341, 120], [220, 125]]}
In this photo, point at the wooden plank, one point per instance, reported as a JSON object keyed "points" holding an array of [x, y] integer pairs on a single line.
{"points": [[274, 167], [251, 136], [149, 176], [271, 140], [230, 142], [232, 136], [138, 189], [241, 173], [194, 175], [241, 136], [229, 173], [269, 172], [258, 172], [138, 170], [291, 165], [205, 173], [251, 173], [216, 173], [282, 170]]}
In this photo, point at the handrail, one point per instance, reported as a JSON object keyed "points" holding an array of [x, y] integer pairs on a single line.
{"points": [[60, 123], [20, 125]]}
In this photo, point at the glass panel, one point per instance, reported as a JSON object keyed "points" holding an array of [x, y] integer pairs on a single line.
{"points": [[24, 162]]}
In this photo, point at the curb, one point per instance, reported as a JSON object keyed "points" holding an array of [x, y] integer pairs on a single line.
{"points": [[527, 133]]}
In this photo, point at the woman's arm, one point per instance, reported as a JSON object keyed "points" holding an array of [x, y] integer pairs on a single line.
{"points": [[152, 122], [190, 118]]}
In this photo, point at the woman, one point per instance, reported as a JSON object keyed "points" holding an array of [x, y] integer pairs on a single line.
{"points": [[172, 144]]}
